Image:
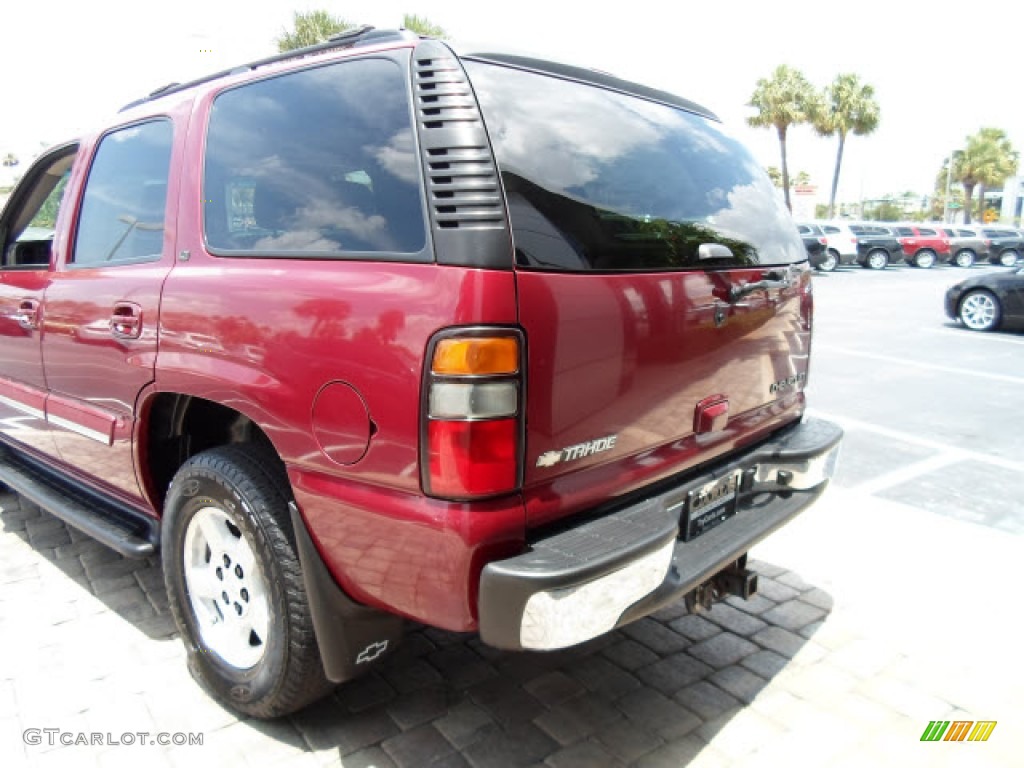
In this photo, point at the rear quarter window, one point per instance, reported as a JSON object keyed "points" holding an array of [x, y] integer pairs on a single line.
{"points": [[315, 163], [602, 180]]}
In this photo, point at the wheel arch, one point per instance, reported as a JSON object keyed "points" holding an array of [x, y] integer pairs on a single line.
{"points": [[174, 426]]}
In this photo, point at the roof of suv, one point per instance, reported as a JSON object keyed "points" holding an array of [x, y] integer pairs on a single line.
{"points": [[366, 36]]}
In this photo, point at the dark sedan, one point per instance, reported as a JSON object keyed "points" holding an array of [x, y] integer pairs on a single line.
{"points": [[988, 302]]}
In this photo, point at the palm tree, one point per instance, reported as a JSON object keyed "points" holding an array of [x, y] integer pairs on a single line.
{"points": [[421, 25], [801, 178], [849, 107], [988, 159], [311, 28], [785, 99], [1002, 162]]}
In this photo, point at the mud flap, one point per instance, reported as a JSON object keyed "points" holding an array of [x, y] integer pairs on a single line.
{"points": [[352, 637]]}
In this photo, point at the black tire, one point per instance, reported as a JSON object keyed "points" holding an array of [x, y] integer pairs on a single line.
{"points": [[241, 487], [830, 262], [1008, 258], [925, 258], [979, 310], [965, 258], [877, 258]]}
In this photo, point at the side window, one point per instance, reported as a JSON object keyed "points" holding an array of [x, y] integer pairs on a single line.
{"points": [[314, 163], [927, 232], [122, 214], [904, 231], [31, 217], [831, 230]]}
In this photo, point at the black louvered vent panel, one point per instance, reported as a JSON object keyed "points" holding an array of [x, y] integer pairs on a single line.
{"points": [[462, 182]]}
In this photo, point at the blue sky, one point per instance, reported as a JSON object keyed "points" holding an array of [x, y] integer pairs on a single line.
{"points": [[66, 64]]}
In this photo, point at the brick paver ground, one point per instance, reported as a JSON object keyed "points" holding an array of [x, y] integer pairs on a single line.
{"points": [[872, 620]]}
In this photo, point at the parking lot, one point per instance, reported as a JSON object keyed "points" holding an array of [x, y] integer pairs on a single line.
{"points": [[888, 605]]}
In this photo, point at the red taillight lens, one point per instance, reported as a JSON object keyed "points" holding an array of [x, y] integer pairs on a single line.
{"points": [[473, 458], [473, 414]]}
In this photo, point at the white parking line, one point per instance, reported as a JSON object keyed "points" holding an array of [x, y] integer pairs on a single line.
{"points": [[902, 475], [945, 450], [921, 366], [965, 334]]}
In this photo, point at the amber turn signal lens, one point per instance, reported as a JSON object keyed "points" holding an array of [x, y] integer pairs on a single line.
{"points": [[480, 356]]}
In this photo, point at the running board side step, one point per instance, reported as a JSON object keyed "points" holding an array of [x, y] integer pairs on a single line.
{"points": [[129, 532]]}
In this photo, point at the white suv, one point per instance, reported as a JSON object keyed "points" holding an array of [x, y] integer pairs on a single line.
{"points": [[842, 243]]}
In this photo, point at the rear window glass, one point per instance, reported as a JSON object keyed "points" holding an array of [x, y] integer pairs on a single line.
{"points": [[314, 163], [601, 180]]}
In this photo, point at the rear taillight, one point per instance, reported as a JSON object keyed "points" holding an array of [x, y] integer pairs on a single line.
{"points": [[472, 432]]}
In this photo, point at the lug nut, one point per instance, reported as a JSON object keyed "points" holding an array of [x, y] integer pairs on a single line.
{"points": [[245, 594]]}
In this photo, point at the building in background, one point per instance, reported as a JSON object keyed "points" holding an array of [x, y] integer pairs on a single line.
{"points": [[1013, 198]]}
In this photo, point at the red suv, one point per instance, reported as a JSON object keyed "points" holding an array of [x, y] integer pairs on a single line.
{"points": [[923, 246], [375, 331]]}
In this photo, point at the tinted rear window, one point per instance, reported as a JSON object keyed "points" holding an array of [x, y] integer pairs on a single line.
{"points": [[601, 180], [318, 162]]}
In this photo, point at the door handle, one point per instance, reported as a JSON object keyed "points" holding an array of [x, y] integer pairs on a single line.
{"points": [[27, 314], [126, 320]]}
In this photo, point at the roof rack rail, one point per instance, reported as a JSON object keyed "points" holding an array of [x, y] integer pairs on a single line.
{"points": [[362, 35]]}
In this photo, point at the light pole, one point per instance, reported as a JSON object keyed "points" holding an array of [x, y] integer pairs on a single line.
{"points": [[949, 179]]}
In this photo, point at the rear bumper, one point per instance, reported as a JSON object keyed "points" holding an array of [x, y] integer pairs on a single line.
{"points": [[580, 583]]}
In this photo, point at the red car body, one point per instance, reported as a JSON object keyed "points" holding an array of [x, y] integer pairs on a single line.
{"points": [[923, 245]]}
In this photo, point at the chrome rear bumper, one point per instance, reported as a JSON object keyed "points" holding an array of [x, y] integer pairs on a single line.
{"points": [[611, 570]]}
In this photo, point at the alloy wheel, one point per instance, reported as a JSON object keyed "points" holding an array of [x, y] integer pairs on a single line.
{"points": [[226, 589], [979, 311]]}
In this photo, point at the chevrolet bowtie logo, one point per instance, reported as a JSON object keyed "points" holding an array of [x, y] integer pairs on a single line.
{"points": [[549, 459], [371, 652]]}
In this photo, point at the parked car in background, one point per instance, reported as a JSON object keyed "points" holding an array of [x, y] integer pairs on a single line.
{"points": [[877, 246], [842, 243], [817, 247], [966, 246], [990, 301], [922, 246], [1005, 245]]}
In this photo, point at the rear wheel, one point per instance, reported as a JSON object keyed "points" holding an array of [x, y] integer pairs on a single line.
{"points": [[925, 259], [877, 259], [1008, 258], [831, 261], [979, 310], [965, 258], [235, 585]]}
